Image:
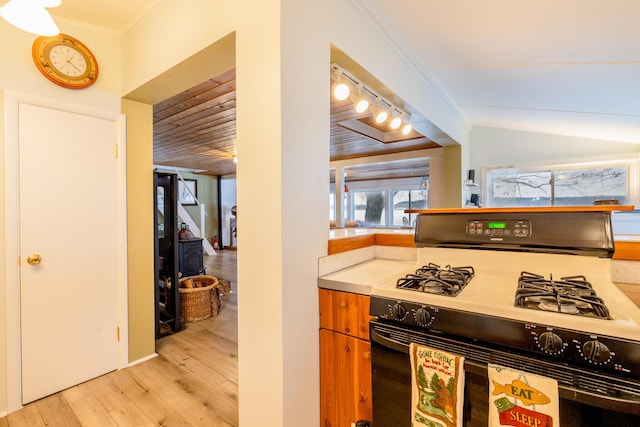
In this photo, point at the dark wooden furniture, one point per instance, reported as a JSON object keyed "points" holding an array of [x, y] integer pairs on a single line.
{"points": [[167, 302], [190, 262]]}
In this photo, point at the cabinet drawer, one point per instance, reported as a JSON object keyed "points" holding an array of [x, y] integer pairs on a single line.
{"points": [[345, 312]]}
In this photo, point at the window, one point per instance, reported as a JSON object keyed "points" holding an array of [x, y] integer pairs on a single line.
{"points": [[564, 185], [332, 206], [369, 207], [407, 199], [381, 203]]}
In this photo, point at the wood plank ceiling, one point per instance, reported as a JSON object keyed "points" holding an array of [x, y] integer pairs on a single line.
{"points": [[196, 130]]}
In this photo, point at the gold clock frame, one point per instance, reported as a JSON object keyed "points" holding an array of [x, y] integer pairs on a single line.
{"points": [[41, 49]]}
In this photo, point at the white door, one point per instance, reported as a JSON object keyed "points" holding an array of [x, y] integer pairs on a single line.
{"points": [[68, 302]]}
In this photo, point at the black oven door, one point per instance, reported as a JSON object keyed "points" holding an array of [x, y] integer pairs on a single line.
{"points": [[391, 376]]}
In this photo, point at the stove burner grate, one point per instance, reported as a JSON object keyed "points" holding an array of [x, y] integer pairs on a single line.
{"points": [[432, 278], [570, 295]]}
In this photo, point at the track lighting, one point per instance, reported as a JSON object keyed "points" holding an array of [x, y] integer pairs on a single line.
{"points": [[345, 83]]}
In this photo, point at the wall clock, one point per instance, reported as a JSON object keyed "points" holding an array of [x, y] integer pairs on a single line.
{"points": [[65, 61]]}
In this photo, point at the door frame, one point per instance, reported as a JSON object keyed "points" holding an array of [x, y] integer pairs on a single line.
{"points": [[12, 101]]}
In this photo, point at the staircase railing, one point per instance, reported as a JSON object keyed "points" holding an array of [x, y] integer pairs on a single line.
{"points": [[193, 227]]}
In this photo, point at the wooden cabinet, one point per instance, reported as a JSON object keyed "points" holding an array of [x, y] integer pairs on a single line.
{"points": [[190, 262], [167, 298], [345, 358]]}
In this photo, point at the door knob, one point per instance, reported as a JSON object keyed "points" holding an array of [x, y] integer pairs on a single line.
{"points": [[34, 259]]}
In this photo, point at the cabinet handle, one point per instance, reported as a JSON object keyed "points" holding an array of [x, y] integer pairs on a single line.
{"points": [[343, 304], [366, 354]]}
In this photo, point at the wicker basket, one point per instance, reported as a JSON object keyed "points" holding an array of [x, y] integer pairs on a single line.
{"points": [[198, 303]]}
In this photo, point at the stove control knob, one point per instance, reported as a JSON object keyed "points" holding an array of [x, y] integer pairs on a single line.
{"points": [[550, 342], [398, 312], [596, 352], [422, 316]]}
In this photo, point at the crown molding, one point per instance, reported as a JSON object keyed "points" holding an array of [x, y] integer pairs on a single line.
{"points": [[372, 12]]}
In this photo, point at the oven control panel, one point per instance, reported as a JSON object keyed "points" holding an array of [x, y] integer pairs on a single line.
{"points": [[499, 228], [592, 349], [584, 349]]}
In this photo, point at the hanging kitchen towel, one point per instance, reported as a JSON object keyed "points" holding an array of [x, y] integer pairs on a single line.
{"points": [[521, 399], [437, 387]]}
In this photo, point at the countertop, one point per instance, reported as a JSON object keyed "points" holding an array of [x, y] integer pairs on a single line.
{"points": [[341, 233], [360, 278], [357, 270]]}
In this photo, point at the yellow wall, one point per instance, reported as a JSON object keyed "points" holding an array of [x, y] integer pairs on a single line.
{"points": [[140, 228], [453, 177]]}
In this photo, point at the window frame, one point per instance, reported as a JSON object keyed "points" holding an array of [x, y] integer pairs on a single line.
{"points": [[387, 186]]}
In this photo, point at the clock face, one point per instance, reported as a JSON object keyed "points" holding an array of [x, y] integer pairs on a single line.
{"points": [[65, 61], [68, 60]]}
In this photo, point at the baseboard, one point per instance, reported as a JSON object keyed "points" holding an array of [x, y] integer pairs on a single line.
{"points": [[144, 359]]}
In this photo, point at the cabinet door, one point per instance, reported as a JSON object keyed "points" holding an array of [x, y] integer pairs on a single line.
{"points": [[326, 308], [328, 379], [190, 257], [345, 368], [351, 314]]}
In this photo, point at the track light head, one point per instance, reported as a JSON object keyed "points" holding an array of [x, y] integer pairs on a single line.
{"points": [[381, 116], [406, 129], [361, 102], [396, 120], [362, 105], [341, 91], [340, 88]]}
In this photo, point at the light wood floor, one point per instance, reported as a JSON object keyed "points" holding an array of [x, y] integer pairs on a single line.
{"points": [[192, 382]]}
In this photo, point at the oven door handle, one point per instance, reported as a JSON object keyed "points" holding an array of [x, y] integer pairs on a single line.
{"points": [[469, 365], [388, 342], [619, 404]]}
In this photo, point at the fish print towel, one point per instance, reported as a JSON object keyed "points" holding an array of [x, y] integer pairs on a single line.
{"points": [[520, 399], [437, 387]]}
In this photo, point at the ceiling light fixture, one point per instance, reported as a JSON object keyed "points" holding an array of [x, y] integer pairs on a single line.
{"points": [[31, 16], [406, 129], [396, 120], [382, 109], [362, 103], [340, 88], [381, 115]]}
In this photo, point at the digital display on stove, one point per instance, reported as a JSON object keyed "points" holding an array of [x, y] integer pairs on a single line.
{"points": [[500, 225]]}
